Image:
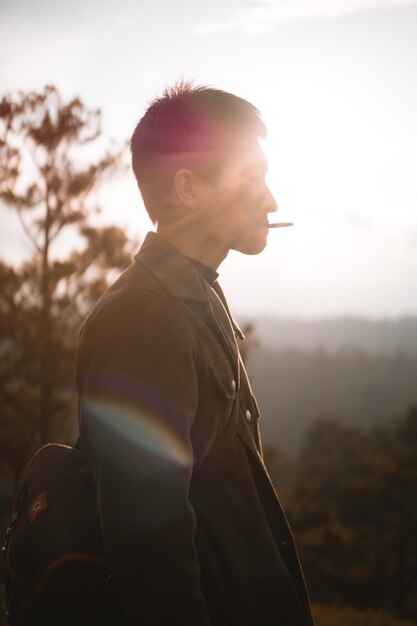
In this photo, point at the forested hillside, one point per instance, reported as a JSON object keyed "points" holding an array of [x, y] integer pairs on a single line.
{"points": [[339, 434], [331, 375], [350, 495], [383, 335]]}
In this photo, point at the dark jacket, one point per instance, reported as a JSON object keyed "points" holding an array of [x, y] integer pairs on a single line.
{"points": [[193, 530]]}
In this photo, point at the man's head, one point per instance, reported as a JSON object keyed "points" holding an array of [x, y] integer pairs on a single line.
{"points": [[201, 141], [189, 126]]}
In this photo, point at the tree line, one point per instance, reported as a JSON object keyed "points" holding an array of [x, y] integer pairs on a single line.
{"points": [[354, 384], [351, 498]]}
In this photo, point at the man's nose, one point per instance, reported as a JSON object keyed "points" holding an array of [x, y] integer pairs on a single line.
{"points": [[271, 203]]}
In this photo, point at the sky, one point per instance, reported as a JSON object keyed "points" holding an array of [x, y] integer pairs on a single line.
{"points": [[336, 83]]}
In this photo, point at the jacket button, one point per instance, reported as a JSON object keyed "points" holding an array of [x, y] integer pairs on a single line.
{"points": [[233, 386], [248, 415]]}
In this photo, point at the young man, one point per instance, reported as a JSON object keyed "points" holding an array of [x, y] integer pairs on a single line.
{"points": [[193, 531]]}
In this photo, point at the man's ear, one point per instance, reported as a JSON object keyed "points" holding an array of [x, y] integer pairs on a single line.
{"points": [[186, 187]]}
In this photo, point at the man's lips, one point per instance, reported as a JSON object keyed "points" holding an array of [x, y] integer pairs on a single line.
{"points": [[261, 223]]}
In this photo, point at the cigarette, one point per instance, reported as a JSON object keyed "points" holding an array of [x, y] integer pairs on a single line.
{"points": [[280, 225]]}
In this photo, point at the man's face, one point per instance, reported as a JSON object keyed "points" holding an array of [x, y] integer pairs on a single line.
{"points": [[237, 204]]}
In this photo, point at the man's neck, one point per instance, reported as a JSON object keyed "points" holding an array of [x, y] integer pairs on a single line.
{"points": [[192, 243]]}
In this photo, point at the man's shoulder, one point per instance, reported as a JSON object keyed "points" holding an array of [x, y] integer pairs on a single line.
{"points": [[158, 289], [135, 302], [135, 278], [132, 291]]}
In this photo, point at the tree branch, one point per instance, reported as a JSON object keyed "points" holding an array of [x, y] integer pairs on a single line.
{"points": [[26, 229]]}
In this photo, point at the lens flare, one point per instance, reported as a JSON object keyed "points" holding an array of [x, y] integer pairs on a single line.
{"points": [[143, 431]]}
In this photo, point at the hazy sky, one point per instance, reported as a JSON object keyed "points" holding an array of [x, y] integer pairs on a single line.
{"points": [[336, 82]]}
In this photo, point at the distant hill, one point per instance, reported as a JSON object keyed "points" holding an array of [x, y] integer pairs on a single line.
{"points": [[362, 371], [331, 334]]}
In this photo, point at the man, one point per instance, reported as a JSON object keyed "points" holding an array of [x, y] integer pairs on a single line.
{"points": [[193, 532]]}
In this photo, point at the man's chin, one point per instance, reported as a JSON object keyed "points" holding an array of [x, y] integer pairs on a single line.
{"points": [[253, 247]]}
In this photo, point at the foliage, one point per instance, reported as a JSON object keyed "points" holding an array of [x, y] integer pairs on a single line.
{"points": [[353, 508], [49, 171], [338, 616]]}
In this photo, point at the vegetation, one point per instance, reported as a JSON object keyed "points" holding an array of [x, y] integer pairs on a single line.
{"points": [[48, 180], [352, 504], [338, 616]]}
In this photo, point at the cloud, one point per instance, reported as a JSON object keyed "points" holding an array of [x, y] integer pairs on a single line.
{"points": [[261, 16]]}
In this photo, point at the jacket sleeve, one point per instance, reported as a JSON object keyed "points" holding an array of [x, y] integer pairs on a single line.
{"points": [[137, 382]]}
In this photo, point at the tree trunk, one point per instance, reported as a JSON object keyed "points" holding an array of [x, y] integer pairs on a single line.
{"points": [[45, 408]]}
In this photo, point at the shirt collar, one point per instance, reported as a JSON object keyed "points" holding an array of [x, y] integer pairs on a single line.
{"points": [[207, 272]]}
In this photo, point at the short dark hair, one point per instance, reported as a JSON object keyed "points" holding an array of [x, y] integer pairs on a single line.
{"points": [[188, 126]]}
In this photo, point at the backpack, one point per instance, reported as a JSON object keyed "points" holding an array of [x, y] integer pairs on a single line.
{"points": [[56, 572]]}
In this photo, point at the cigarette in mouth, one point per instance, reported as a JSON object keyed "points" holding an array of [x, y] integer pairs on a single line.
{"points": [[280, 225]]}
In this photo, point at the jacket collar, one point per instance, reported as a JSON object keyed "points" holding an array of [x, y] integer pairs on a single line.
{"points": [[176, 273], [171, 268]]}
